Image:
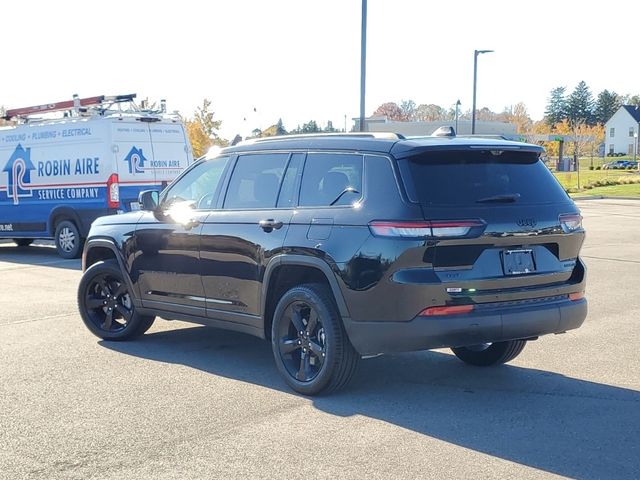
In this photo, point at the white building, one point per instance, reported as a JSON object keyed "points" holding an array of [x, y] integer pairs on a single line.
{"points": [[621, 131], [383, 124]]}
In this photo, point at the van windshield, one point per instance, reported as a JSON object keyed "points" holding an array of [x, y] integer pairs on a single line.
{"points": [[481, 177]]}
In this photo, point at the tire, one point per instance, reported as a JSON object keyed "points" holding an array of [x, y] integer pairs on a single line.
{"points": [[68, 241], [104, 293], [23, 242], [490, 354], [321, 359]]}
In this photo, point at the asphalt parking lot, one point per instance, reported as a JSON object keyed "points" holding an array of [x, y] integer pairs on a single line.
{"points": [[193, 402]]}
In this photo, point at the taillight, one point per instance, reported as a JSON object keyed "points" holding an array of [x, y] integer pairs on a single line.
{"points": [[570, 222], [453, 229], [576, 296], [401, 229], [434, 228], [450, 310], [113, 191]]}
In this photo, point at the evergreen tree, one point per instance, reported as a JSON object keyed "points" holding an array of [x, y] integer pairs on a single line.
{"points": [[556, 110], [607, 104], [310, 127], [280, 130], [580, 105]]}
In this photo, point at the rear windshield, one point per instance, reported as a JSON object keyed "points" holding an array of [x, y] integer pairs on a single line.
{"points": [[480, 177]]}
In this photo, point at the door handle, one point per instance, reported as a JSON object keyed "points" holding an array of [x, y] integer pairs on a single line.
{"points": [[194, 222], [269, 225]]}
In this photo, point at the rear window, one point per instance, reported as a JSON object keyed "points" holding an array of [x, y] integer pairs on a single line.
{"points": [[480, 177]]}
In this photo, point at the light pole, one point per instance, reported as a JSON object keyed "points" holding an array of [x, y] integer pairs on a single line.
{"points": [[363, 61], [457, 107], [475, 81]]}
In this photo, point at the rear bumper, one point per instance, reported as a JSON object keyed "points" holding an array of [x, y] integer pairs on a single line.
{"points": [[423, 333]]}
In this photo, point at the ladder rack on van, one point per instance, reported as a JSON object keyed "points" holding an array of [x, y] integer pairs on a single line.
{"points": [[101, 105]]}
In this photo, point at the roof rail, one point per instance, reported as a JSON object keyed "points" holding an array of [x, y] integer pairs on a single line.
{"points": [[382, 135]]}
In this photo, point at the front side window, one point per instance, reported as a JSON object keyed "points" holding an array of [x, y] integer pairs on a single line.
{"points": [[331, 179], [198, 186], [255, 181]]}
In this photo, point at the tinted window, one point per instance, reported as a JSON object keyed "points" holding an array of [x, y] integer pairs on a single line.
{"points": [[288, 190], [255, 181], [199, 184], [328, 177], [464, 178]]}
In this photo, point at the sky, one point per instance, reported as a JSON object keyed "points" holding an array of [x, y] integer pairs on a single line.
{"points": [[300, 60]]}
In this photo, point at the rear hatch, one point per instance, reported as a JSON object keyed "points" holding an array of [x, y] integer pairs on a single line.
{"points": [[502, 227]]}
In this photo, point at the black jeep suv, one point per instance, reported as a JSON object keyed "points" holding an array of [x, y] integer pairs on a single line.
{"points": [[335, 247]]}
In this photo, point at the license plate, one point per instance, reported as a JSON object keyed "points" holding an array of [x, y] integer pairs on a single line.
{"points": [[518, 262]]}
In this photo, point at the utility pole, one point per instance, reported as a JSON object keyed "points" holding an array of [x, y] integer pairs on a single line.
{"points": [[363, 62]]}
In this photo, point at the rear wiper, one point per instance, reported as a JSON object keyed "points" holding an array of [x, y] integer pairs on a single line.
{"points": [[506, 198]]}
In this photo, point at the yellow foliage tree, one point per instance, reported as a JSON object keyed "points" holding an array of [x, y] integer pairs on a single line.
{"points": [[202, 130]]}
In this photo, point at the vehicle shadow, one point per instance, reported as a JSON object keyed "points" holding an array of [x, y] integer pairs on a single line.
{"points": [[36, 254], [544, 420]]}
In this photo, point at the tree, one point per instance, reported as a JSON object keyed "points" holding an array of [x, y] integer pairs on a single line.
{"points": [[280, 130], [330, 128], [430, 113], [390, 110], [629, 99], [202, 130], [580, 105], [607, 104], [408, 108], [518, 116], [556, 110], [310, 127]]}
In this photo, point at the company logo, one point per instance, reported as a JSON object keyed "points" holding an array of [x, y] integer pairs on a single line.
{"points": [[135, 160], [527, 222], [18, 170]]}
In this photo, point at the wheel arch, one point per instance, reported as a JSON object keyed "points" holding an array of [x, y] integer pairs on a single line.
{"points": [[100, 249], [285, 271], [63, 213]]}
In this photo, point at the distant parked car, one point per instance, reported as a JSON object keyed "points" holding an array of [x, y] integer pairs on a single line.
{"points": [[615, 165]]}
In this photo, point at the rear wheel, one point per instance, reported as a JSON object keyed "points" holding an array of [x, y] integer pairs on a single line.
{"points": [[23, 242], [489, 354], [106, 305], [68, 241], [310, 346]]}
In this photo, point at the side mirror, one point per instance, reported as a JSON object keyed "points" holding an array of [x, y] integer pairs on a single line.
{"points": [[149, 200]]}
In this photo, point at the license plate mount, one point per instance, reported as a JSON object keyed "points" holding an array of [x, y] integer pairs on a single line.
{"points": [[518, 261]]}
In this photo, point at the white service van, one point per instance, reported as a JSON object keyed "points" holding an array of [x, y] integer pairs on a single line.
{"points": [[57, 176]]}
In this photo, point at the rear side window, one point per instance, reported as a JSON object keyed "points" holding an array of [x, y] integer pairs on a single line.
{"points": [[481, 177], [331, 179], [255, 181]]}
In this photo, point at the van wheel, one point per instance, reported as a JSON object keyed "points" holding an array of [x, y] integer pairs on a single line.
{"points": [[68, 241], [490, 354], [23, 242], [309, 343], [106, 305]]}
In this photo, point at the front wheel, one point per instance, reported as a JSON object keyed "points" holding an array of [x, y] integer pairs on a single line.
{"points": [[310, 346], [68, 241], [490, 354], [106, 305]]}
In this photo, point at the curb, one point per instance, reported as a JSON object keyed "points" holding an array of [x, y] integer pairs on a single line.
{"points": [[602, 197]]}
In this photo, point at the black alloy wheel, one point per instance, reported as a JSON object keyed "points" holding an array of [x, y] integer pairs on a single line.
{"points": [[311, 348], [106, 306], [302, 341]]}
